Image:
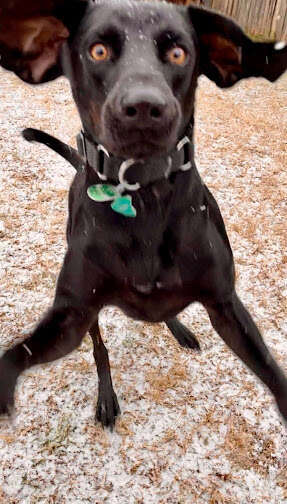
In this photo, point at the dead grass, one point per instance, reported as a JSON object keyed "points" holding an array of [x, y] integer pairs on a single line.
{"points": [[245, 448]]}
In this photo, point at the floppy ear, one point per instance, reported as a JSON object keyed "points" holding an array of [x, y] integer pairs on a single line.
{"points": [[30, 45], [228, 55]]}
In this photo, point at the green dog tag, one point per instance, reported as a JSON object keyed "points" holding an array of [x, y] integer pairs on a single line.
{"points": [[102, 192], [107, 192], [123, 205]]}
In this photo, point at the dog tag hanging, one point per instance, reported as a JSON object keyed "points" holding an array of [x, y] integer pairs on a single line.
{"points": [[107, 192], [102, 192], [124, 206]]}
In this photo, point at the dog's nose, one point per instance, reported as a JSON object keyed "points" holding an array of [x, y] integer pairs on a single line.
{"points": [[143, 107]]}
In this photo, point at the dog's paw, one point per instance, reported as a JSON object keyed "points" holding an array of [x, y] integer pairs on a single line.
{"points": [[107, 408], [186, 339], [184, 336], [7, 386]]}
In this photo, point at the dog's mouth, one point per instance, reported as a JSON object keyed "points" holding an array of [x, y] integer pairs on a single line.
{"points": [[141, 148], [139, 143]]}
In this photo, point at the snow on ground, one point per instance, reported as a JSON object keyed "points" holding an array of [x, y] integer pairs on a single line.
{"points": [[195, 428]]}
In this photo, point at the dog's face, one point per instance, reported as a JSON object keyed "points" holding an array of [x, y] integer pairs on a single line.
{"points": [[133, 65], [132, 70]]}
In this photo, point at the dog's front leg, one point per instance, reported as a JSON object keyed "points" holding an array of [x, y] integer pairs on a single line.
{"points": [[60, 332], [236, 327], [107, 406]]}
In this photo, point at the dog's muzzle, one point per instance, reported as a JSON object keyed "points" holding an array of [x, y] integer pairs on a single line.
{"points": [[142, 120]]}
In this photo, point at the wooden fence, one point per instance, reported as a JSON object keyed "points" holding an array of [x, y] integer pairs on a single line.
{"points": [[266, 18]]}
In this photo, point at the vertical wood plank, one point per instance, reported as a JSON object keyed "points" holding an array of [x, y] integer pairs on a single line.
{"points": [[267, 18]]}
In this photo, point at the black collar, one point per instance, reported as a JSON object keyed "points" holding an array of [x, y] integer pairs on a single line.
{"points": [[109, 167]]}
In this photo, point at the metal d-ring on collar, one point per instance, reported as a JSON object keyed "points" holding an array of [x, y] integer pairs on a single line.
{"points": [[185, 140], [125, 165], [123, 168], [100, 148], [123, 185]]}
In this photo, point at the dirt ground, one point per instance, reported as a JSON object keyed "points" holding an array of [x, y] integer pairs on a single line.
{"points": [[195, 428]]}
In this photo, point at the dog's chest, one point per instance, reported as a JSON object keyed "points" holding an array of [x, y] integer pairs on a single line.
{"points": [[149, 259], [152, 265], [143, 257], [152, 287], [139, 253], [135, 250]]}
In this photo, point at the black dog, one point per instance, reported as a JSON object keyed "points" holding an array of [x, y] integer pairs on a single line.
{"points": [[144, 232]]}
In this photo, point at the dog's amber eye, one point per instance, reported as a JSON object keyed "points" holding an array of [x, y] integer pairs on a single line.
{"points": [[177, 55], [100, 52]]}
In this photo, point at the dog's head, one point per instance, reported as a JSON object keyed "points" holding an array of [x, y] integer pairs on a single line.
{"points": [[133, 65]]}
